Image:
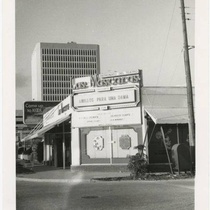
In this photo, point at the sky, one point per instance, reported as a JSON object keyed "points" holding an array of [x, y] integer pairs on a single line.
{"points": [[132, 35]]}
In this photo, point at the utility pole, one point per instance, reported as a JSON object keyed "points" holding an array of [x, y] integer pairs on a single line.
{"points": [[191, 118]]}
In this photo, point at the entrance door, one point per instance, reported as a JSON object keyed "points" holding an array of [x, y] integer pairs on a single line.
{"points": [[58, 150], [108, 146], [123, 143], [95, 146]]}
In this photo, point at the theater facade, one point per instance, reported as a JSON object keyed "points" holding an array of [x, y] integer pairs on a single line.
{"points": [[107, 119], [107, 116]]}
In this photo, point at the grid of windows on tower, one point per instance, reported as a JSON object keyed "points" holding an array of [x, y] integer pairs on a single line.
{"points": [[60, 66]]}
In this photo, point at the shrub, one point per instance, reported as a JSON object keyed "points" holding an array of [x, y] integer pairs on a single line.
{"points": [[138, 165]]}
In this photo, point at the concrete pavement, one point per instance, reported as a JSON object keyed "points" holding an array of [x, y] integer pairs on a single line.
{"points": [[100, 195], [54, 188], [52, 174], [42, 173]]}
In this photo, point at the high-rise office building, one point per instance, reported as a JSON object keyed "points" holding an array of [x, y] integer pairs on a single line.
{"points": [[54, 65]]}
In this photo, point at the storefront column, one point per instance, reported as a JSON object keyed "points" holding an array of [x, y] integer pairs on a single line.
{"points": [[55, 153], [75, 148], [47, 150], [63, 146], [50, 152], [177, 129], [44, 150], [144, 133], [111, 142]]}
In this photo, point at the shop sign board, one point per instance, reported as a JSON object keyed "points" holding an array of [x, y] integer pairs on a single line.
{"points": [[127, 116], [33, 111], [104, 98], [106, 81], [58, 112]]}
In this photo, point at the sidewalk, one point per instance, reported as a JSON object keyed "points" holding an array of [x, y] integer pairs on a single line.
{"points": [[52, 174]]}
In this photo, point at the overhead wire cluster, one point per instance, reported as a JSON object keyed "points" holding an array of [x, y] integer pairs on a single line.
{"points": [[40, 125], [164, 52], [152, 100]]}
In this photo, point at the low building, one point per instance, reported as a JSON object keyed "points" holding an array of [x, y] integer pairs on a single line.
{"points": [[106, 117], [22, 130]]}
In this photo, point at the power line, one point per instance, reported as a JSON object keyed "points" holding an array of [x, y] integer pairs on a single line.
{"points": [[176, 65], [164, 51]]}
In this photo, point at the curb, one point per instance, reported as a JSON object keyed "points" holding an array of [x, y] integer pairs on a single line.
{"points": [[52, 180], [89, 180], [71, 181]]}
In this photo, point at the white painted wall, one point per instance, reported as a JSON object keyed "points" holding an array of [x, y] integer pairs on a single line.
{"points": [[75, 147]]}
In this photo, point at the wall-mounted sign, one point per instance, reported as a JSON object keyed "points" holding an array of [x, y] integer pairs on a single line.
{"points": [[126, 116], [104, 98], [104, 81], [33, 111], [58, 112]]}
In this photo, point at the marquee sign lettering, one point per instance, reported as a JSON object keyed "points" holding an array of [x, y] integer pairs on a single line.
{"points": [[105, 98], [109, 117], [104, 81]]}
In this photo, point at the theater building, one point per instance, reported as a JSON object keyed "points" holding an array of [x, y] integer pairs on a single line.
{"points": [[106, 117]]}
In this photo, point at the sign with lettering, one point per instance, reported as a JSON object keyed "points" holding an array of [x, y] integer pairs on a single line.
{"points": [[33, 111], [104, 98], [126, 116], [105, 81], [61, 110]]}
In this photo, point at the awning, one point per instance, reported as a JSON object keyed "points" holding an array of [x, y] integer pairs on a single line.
{"points": [[168, 115], [44, 129]]}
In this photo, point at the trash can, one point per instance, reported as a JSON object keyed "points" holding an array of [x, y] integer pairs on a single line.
{"points": [[181, 157]]}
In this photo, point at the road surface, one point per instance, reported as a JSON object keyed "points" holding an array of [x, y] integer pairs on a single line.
{"points": [[127, 195]]}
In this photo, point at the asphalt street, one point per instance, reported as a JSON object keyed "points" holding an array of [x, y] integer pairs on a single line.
{"points": [[141, 195]]}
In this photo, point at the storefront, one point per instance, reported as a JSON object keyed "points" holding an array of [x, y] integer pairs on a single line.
{"points": [[54, 132], [107, 119], [166, 115], [110, 142]]}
